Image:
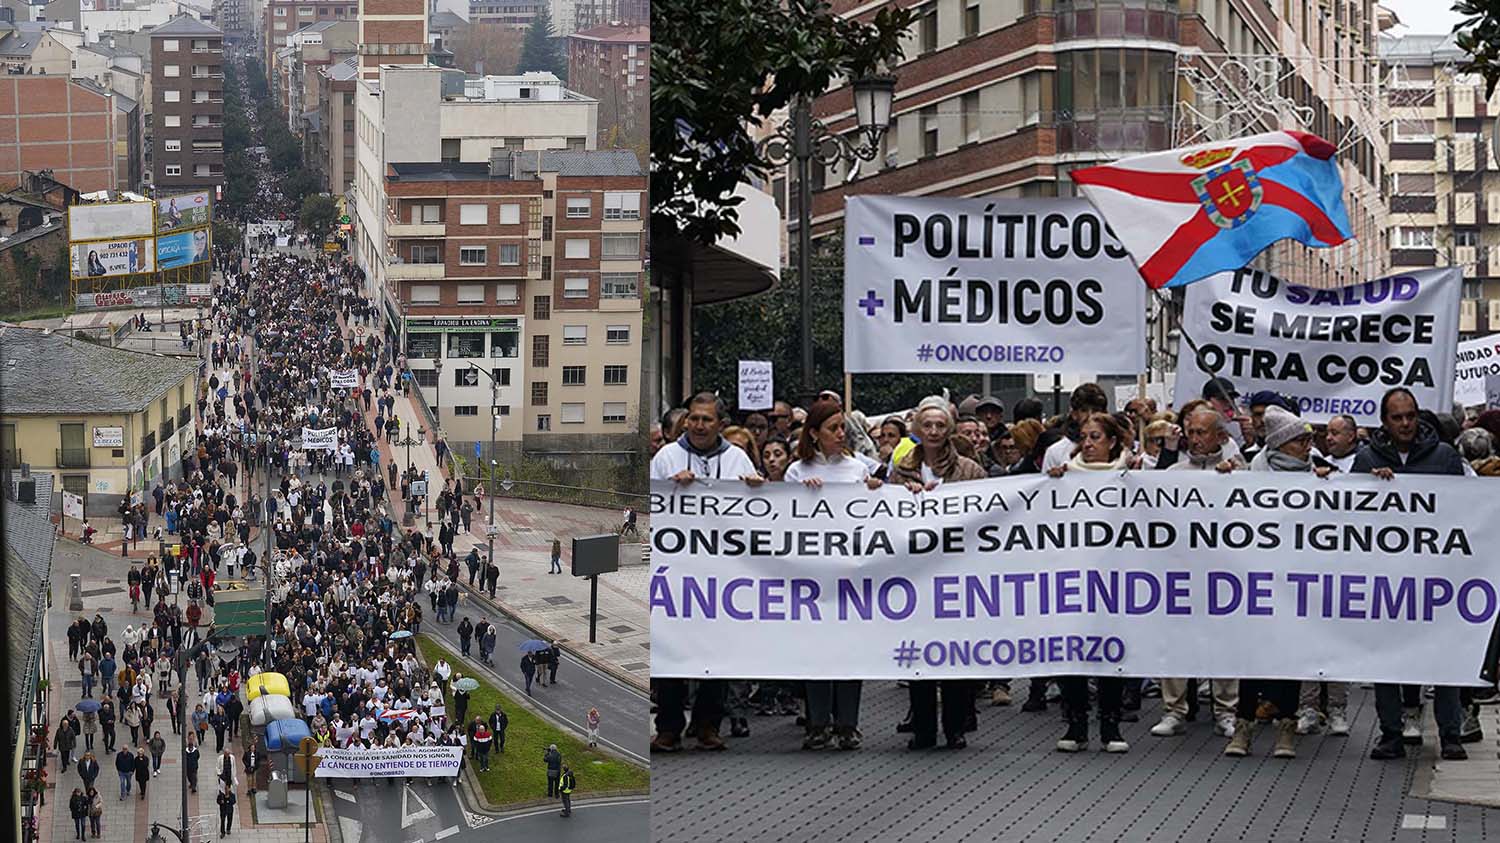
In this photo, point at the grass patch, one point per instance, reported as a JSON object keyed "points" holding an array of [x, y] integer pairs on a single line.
{"points": [[519, 774]]}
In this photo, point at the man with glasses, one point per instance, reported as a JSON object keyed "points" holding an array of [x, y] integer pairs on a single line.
{"points": [[781, 419]]}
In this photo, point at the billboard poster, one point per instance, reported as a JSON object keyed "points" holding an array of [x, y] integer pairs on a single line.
{"points": [[113, 257], [189, 210], [110, 221], [182, 248]]}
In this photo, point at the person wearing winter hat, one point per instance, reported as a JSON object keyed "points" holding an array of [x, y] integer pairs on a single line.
{"points": [[1288, 447]]}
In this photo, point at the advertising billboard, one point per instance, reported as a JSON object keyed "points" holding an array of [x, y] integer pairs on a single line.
{"points": [[189, 210], [182, 248], [114, 257], [110, 221]]}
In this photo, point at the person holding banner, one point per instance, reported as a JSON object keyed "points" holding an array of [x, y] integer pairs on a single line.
{"points": [[933, 462], [1406, 445], [823, 458]]}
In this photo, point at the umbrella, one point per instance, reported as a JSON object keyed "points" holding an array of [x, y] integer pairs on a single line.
{"points": [[466, 684], [400, 633], [534, 645], [87, 706], [398, 714]]}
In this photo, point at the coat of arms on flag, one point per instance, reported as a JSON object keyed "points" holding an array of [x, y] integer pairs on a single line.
{"points": [[1186, 214]]}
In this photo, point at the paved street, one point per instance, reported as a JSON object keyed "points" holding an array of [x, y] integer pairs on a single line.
{"points": [[1010, 784]]}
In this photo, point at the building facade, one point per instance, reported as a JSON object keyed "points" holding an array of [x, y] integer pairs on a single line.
{"points": [[187, 113], [612, 64], [1445, 179], [392, 32], [336, 85], [280, 18], [588, 14], [67, 126]]}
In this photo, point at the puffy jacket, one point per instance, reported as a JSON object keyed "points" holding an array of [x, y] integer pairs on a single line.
{"points": [[1427, 455]]}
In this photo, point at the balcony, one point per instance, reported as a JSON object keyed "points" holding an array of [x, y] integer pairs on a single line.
{"points": [[415, 271], [72, 457], [185, 417], [420, 229], [148, 443]]}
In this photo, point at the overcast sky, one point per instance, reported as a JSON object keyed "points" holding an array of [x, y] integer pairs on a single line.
{"points": [[1423, 17]]}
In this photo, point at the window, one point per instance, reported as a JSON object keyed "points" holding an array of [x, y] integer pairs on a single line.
{"points": [[539, 394], [471, 294], [620, 285], [464, 409], [426, 378], [430, 213], [510, 254], [622, 205], [546, 266], [616, 375], [970, 106], [423, 346], [171, 96], [575, 288], [171, 146], [533, 214], [200, 96], [505, 344], [971, 20], [576, 249], [426, 253], [471, 256], [1405, 129], [547, 229], [171, 121], [617, 334], [426, 294], [169, 45], [572, 413], [574, 375], [579, 209], [502, 378], [543, 422], [510, 214], [280, 12], [171, 71], [929, 116], [614, 412], [1415, 183], [619, 246], [466, 345], [172, 170], [472, 215], [540, 345], [200, 170], [466, 377], [1465, 237], [280, 25], [1415, 238], [507, 293], [541, 307], [927, 29], [575, 334]]}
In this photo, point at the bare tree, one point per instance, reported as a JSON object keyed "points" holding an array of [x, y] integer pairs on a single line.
{"points": [[497, 46]]}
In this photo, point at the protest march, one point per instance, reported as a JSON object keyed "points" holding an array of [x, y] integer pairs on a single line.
{"points": [[1302, 515]]}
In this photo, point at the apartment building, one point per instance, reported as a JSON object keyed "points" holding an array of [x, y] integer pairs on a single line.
{"points": [[516, 14], [280, 18], [336, 85], [1005, 98], [67, 126], [187, 113], [233, 16], [392, 32], [1444, 181], [311, 49], [588, 14], [612, 64]]}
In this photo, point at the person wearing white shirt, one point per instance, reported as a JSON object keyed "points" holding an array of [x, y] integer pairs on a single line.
{"points": [[1341, 444], [1086, 400]]}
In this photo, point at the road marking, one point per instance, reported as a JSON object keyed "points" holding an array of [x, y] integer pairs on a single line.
{"points": [[407, 818], [447, 832], [546, 811], [1420, 821], [348, 797], [351, 829]]}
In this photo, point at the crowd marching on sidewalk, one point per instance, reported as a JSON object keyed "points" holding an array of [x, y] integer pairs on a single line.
{"points": [[943, 442]]}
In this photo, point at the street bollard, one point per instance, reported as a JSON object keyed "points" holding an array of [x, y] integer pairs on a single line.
{"points": [[75, 592]]}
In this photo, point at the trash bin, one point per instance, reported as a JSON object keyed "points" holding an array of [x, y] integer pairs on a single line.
{"points": [[276, 793]]}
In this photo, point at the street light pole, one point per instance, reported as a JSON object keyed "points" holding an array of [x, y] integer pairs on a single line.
{"points": [[802, 151], [494, 423]]}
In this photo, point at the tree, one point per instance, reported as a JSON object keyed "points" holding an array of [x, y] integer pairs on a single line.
{"points": [[319, 214], [719, 67], [1479, 36], [497, 47], [539, 51]]}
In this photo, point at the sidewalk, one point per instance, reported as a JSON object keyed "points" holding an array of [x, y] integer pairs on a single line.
{"points": [[555, 606]]}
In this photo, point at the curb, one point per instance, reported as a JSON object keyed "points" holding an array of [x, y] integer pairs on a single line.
{"points": [[605, 797]]}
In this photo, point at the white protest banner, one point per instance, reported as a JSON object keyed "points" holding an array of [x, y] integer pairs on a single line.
{"points": [[1333, 351], [385, 763], [1149, 573], [326, 439], [72, 505], [1017, 286], [1477, 358], [756, 385], [343, 379]]}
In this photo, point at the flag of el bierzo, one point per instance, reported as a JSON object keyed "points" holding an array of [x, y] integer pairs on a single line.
{"points": [[1185, 214]]}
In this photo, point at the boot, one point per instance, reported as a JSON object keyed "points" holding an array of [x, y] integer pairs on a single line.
{"points": [[708, 738], [1077, 737], [1109, 736], [1286, 739], [1239, 745]]}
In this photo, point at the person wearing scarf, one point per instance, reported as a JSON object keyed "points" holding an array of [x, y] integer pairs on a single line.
{"points": [[1101, 447], [935, 461], [1288, 447]]}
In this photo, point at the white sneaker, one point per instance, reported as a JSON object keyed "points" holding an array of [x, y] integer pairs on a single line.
{"points": [[1411, 725], [1307, 721], [1338, 724], [1116, 746], [1224, 726], [1170, 725]]}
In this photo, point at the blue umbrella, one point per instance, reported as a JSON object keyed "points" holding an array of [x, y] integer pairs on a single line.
{"points": [[400, 633], [534, 645], [87, 706]]}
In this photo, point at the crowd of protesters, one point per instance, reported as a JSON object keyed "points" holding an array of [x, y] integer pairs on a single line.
{"points": [[945, 442]]}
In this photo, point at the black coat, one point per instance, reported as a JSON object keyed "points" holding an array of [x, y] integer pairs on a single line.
{"points": [[1427, 455], [142, 768]]}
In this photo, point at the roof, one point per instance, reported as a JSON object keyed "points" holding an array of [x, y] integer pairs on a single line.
{"points": [[1423, 49], [19, 44], [344, 70], [28, 570], [186, 25], [123, 103], [606, 162], [54, 227], [319, 26], [444, 20], [313, 120], [104, 49], [619, 34], [47, 373]]}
